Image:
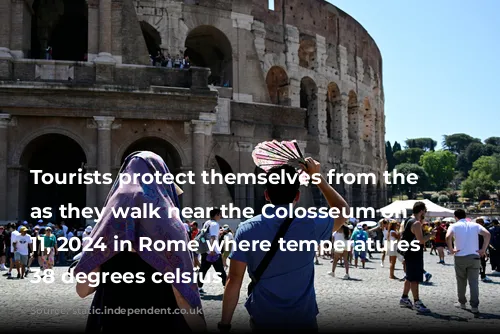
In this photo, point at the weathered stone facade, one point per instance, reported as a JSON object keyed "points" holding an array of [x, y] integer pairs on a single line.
{"points": [[305, 70]]}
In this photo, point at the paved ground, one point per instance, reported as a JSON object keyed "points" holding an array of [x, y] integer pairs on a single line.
{"points": [[367, 302]]}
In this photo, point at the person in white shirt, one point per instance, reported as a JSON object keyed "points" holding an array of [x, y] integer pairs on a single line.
{"points": [[467, 257], [22, 251], [212, 258]]}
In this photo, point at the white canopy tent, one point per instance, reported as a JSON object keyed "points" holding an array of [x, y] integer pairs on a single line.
{"points": [[399, 209]]}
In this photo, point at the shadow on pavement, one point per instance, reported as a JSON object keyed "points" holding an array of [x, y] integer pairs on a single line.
{"points": [[485, 315], [444, 317], [211, 297]]}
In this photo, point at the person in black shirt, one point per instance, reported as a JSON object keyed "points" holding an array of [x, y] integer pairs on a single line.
{"points": [[414, 259], [482, 271]]}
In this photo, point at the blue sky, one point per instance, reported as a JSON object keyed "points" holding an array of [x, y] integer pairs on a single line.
{"points": [[441, 63]]}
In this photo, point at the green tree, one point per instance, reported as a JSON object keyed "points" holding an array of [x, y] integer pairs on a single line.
{"points": [[488, 166], [440, 168], [389, 156], [495, 141], [458, 142], [426, 144], [396, 147], [484, 178], [478, 186], [410, 155], [411, 190]]}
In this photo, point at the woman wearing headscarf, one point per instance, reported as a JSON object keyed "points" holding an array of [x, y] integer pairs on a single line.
{"points": [[147, 295]]}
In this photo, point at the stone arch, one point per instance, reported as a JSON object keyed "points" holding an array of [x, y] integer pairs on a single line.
{"points": [[173, 145], [368, 120], [352, 112], [208, 46], [51, 153], [225, 169], [307, 53], [17, 156], [309, 101], [277, 85], [151, 37], [62, 25], [333, 112], [159, 146]]}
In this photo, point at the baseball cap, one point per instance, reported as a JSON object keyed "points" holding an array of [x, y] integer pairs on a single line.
{"points": [[48, 228], [88, 229], [226, 227], [178, 189], [23, 229]]}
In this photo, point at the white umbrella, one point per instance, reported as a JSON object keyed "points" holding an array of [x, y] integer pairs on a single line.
{"points": [[404, 208], [369, 223], [450, 220]]}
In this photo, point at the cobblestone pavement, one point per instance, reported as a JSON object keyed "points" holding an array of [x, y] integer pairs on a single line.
{"points": [[368, 301]]}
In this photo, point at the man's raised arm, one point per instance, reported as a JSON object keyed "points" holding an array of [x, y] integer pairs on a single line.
{"points": [[331, 195]]}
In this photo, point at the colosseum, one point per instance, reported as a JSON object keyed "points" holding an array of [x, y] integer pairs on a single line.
{"points": [[298, 69]]}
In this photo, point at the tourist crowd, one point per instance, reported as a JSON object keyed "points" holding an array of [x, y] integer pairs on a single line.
{"points": [[280, 295]]}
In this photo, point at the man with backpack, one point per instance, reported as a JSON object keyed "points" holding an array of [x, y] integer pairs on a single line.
{"points": [[495, 246], [209, 235], [281, 295]]}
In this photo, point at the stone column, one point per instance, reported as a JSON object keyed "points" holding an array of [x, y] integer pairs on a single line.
{"points": [[200, 129], [5, 21], [20, 33], [4, 122], [103, 153], [105, 33], [93, 29]]}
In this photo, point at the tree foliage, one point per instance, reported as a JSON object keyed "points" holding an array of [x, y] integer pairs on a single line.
{"points": [[411, 190], [494, 141], [410, 155], [440, 168], [426, 144], [458, 142], [484, 177]]}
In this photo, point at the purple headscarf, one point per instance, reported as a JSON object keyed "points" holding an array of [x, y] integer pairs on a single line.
{"points": [[165, 228]]}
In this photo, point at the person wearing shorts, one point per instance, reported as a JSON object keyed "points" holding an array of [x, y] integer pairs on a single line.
{"points": [[22, 251], [360, 237], [414, 258]]}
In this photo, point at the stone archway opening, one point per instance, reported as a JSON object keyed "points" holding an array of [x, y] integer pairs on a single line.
{"points": [[368, 121], [352, 112], [52, 153], [225, 169], [161, 147], [277, 85], [333, 112], [307, 53], [151, 37], [309, 101], [207, 46], [62, 25]]}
